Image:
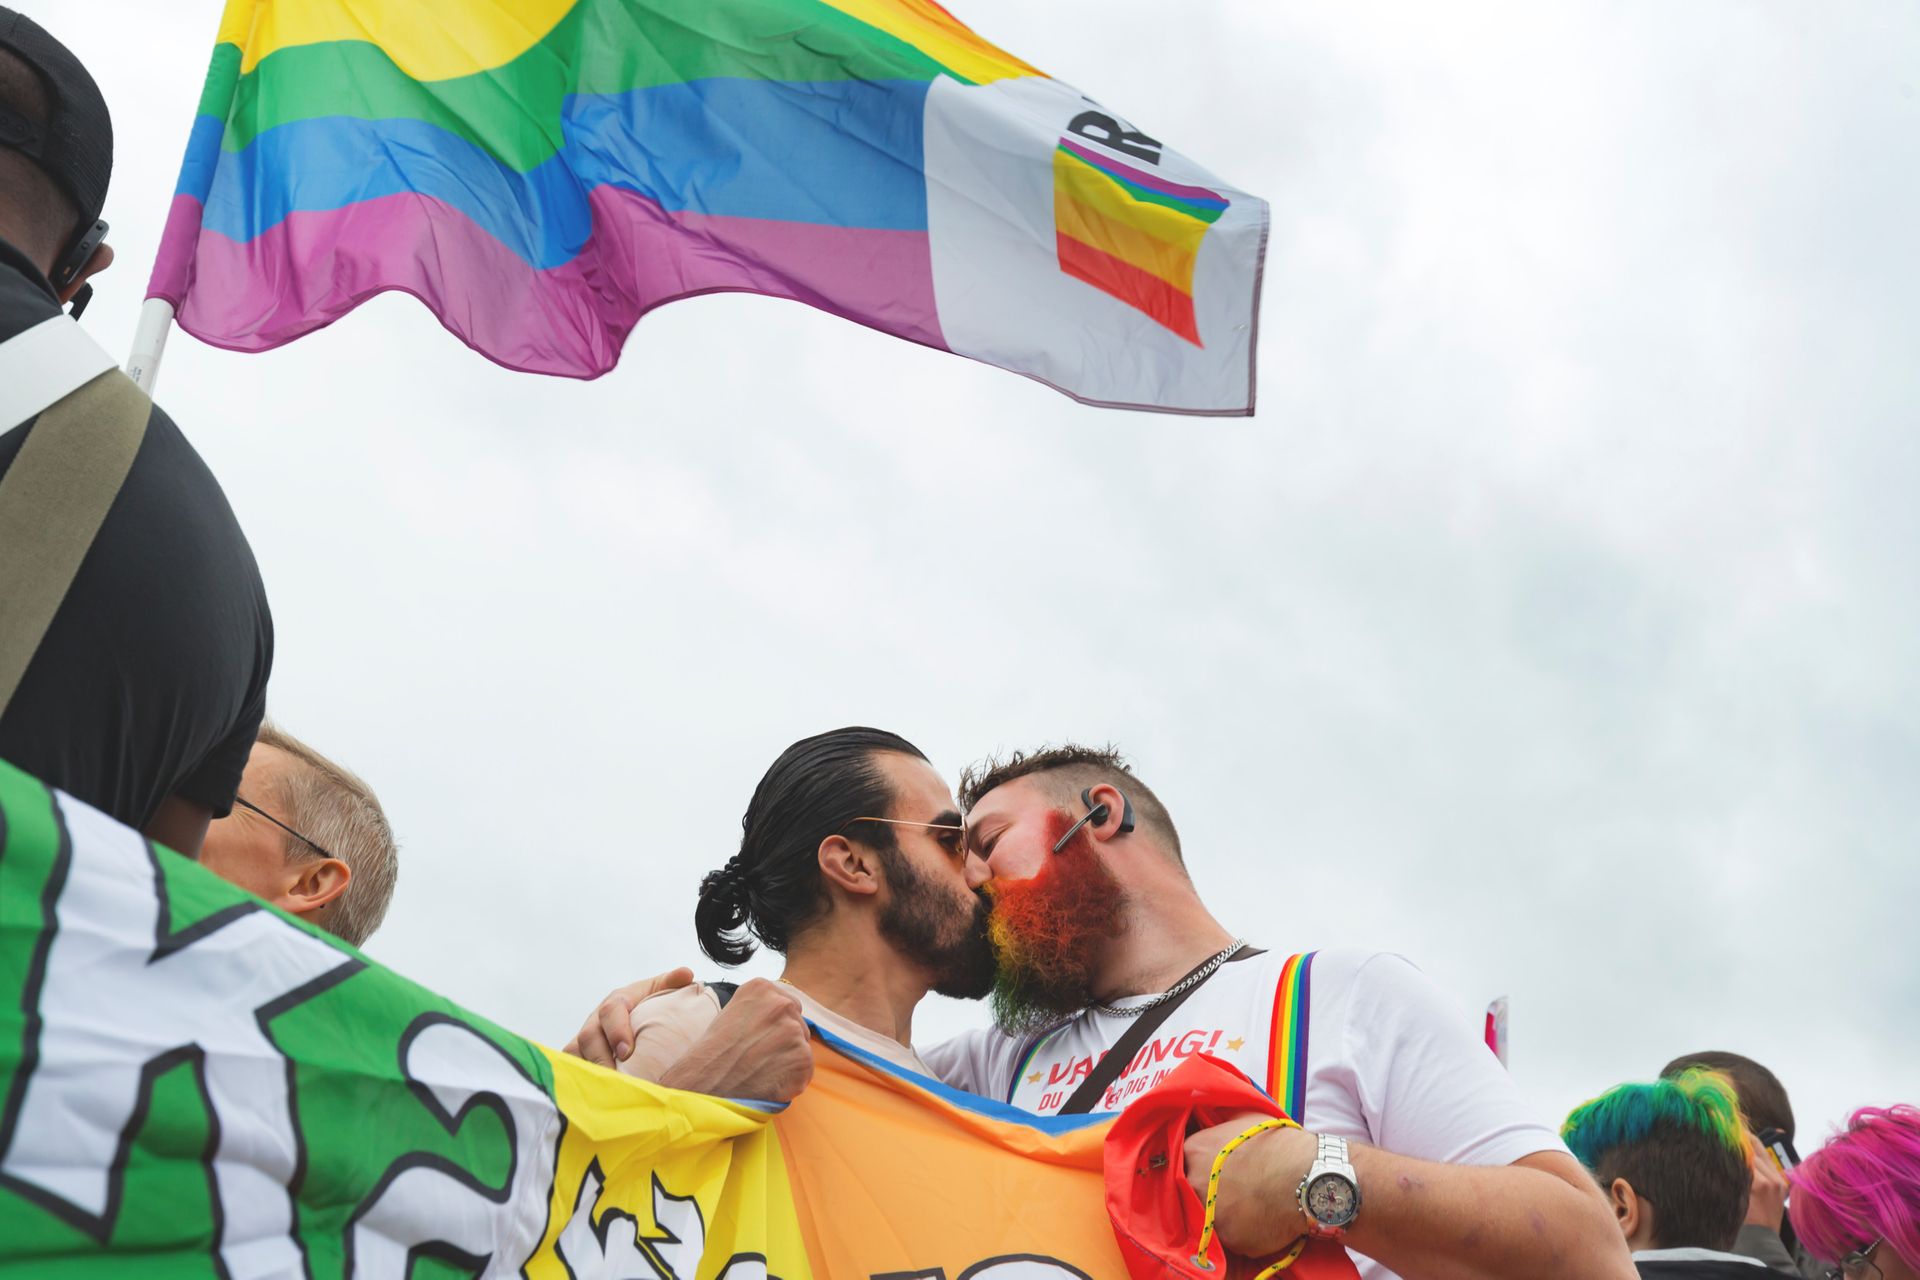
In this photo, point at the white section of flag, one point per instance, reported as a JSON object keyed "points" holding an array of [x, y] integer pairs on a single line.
{"points": [[1002, 297]]}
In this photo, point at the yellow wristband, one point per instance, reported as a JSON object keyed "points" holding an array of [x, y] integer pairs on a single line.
{"points": [[1200, 1258]]}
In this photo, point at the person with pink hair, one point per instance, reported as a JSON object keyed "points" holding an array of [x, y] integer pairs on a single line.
{"points": [[1857, 1199]]}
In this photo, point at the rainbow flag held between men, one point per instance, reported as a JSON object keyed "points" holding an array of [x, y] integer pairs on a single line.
{"points": [[542, 173]]}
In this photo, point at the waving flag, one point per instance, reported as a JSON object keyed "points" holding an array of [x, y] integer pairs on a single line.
{"points": [[542, 173], [194, 1084]]}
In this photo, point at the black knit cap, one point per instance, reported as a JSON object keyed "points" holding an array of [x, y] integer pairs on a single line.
{"points": [[74, 147]]}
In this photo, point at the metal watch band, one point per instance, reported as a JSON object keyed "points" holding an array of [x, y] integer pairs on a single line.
{"points": [[1330, 1158]]}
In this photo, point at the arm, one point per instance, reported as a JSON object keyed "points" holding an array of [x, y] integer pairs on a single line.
{"points": [[1540, 1216], [757, 1047], [1759, 1236]]}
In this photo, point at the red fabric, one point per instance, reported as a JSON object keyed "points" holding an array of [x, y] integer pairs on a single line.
{"points": [[1156, 1215]]}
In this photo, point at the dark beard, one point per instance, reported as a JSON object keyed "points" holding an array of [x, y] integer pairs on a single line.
{"points": [[1048, 932], [951, 943]]}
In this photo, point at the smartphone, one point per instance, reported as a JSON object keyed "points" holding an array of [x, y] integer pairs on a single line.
{"points": [[1781, 1146]]}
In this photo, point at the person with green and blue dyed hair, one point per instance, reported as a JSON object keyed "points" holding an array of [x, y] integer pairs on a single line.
{"points": [[1673, 1159]]}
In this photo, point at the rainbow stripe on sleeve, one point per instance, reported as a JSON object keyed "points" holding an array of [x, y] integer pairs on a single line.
{"points": [[1287, 1048]]}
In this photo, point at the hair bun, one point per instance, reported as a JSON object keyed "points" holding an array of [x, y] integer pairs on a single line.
{"points": [[729, 883]]}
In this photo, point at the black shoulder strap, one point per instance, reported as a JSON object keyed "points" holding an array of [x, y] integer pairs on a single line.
{"points": [[1108, 1069], [722, 991]]}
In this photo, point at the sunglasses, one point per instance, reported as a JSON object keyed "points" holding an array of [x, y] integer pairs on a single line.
{"points": [[251, 807], [952, 837]]}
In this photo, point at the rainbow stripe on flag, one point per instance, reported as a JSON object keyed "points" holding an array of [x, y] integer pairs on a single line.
{"points": [[1130, 234], [542, 173]]}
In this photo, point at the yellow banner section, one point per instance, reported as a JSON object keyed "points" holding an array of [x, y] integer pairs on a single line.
{"points": [[895, 1180], [427, 39], [654, 1182]]}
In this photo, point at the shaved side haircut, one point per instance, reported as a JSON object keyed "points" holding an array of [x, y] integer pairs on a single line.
{"points": [[1067, 770]]}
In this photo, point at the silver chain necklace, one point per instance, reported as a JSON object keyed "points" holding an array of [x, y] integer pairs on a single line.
{"points": [[1187, 983]]}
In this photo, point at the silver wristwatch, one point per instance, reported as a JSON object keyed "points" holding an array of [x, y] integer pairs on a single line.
{"points": [[1330, 1193]]}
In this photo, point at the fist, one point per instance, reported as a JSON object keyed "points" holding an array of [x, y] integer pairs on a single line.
{"points": [[758, 1047], [1256, 1213]]}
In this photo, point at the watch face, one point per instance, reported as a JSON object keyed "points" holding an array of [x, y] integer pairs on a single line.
{"points": [[1332, 1200]]}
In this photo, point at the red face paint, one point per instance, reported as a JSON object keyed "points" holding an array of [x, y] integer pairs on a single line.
{"points": [[1049, 932]]}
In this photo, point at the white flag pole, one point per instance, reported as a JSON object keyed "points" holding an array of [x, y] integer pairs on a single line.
{"points": [[149, 341]]}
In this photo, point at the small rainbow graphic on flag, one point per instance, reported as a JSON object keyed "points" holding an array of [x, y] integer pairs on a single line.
{"points": [[1131, 234]]}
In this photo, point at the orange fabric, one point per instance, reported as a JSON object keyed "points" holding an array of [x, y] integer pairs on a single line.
{"points": [[896, 1180], [897, 1177]]}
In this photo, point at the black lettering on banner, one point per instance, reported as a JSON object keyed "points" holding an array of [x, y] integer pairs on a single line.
{"points": [[609, 1245], [1007, 1266], [41, 1158], [1097, 126], [427, 1206]]}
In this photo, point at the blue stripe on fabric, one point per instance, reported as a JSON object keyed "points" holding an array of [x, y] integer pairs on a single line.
{"points": [[843, 153], [967, 1101], [202, 159]]}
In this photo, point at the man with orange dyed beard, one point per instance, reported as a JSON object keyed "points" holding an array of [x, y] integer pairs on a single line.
{"points": [[1416, 1151]]}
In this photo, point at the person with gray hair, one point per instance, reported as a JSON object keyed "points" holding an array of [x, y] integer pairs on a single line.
{"points": [[308, 836]]}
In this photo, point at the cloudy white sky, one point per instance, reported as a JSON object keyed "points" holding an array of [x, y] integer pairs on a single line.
{"points": [[1553, 623]]}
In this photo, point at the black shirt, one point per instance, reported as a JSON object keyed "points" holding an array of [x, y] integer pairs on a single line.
{"points": [[1725, 1267], [152, 679]]}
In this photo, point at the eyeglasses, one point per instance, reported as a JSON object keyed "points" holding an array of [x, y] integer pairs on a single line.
{"points": [[1858, 1265], [955, 842], [251, 807]]}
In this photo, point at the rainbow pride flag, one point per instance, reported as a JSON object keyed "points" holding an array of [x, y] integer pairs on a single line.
{"points": [[542, 173]]}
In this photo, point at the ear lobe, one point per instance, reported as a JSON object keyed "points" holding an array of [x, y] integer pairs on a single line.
{"points": [[320, 882], [848, 866]]}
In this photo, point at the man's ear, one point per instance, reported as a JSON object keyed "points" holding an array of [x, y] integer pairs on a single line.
{"points": [[852, 868], [318, 884], [1629, 1210], [102, 259], [1116, 811]]}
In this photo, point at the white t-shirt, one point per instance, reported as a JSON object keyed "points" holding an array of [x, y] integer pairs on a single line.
{"points": [[666, 1024], [1391, 1061]]}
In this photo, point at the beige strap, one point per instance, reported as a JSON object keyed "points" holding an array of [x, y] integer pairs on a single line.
{"points": [[39, 366], [53, 500]]}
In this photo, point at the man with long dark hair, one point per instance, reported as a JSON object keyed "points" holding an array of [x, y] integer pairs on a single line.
{"points": [[853, 864]]}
